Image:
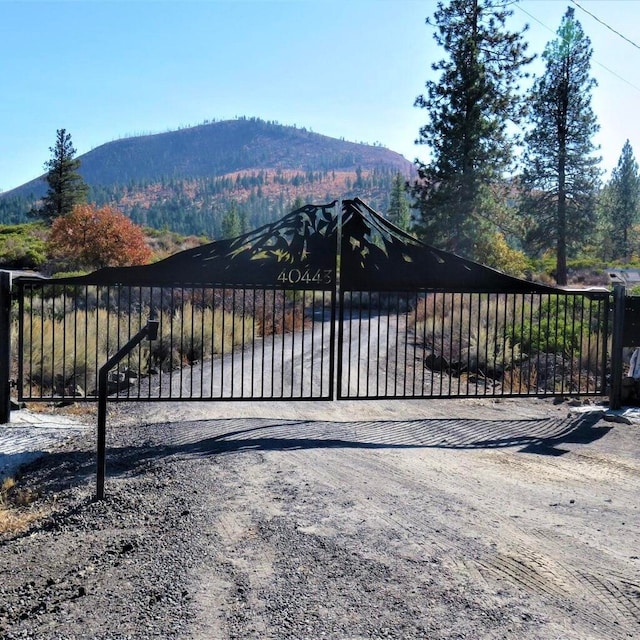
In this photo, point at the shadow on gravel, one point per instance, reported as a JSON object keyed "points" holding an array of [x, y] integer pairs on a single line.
{"points": [[58, 471], [539, 436]]}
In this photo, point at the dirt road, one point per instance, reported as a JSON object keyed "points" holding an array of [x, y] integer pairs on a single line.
{"points": [[465, 519]]}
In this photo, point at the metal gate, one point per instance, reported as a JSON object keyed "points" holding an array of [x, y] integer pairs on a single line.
{"points": [[276, 313]]}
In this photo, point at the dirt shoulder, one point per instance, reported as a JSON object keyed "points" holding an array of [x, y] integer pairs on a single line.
{"points": [[451, 519]]}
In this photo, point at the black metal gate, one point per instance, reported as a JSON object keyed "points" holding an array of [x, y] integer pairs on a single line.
{"points": [[270, 316]]}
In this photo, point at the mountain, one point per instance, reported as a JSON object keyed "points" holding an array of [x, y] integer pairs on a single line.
{"points": [[187, 180]]}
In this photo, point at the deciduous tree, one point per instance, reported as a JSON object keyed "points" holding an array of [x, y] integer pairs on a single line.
{"points": [[66, 186], [469, 108], [92, 237], [561, 175]]}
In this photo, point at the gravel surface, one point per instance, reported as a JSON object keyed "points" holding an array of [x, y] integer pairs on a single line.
{"points": [[431, 520]]}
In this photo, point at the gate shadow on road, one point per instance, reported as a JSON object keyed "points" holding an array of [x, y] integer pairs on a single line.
{"points": [[545, 436], [210, 437]]}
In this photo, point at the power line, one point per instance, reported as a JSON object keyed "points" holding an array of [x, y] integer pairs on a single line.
{"points": [[603, 23], [613, 73]]}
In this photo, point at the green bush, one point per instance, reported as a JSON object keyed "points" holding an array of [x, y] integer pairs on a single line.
{"points": [[23, 246], [561, 324]]}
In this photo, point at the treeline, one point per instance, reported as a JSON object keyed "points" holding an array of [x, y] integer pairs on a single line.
{"points": [[198, 206]]}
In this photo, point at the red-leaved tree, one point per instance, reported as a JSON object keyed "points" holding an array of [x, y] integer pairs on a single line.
{"points": [[92, 237]]}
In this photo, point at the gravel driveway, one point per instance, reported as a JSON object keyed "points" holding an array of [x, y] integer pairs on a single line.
{"points": [[438, 519]]}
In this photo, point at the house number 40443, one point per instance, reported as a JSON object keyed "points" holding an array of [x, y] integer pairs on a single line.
{"points": [[307, 276]]}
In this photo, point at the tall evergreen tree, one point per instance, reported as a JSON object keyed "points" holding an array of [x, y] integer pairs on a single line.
{"points": [[561, 174], [469, 109], [623, 211], [399, 211], [66, 186], [231, 222]]}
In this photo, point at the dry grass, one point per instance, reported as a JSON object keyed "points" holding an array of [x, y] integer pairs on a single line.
{"points": [[470, 329], [16, 507], [63, 352]]}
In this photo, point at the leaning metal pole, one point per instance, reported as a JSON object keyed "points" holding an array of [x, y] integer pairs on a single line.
{"points": [[150, 331]]}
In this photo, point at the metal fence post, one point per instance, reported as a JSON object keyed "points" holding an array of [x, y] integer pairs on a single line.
{"points": [[615, 397], [5, 347]]}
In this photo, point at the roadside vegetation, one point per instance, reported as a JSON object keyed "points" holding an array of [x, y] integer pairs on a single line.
{"points": [[17, 508], [527, 342]]}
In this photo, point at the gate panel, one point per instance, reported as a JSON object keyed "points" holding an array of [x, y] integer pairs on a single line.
{"points": [[214, 343], [443, 344]]}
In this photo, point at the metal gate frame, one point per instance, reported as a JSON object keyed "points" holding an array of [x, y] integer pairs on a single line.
{"points": [[460, 328]]}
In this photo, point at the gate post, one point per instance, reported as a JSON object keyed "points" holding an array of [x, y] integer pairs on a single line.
{"points": [[615, 394], [5, 347]]}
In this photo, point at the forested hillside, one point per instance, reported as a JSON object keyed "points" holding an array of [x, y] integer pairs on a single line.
{"points": [[188, 180]]}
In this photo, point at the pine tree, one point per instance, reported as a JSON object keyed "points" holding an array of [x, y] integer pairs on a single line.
{"points": [[66, 186], [469, 109], [561, 174], [399, 211], [623, 211], [231, 223]]}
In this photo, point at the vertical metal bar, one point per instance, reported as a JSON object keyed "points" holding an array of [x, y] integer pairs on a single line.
{"points": [[53, 340], [253, 341], [406, 346], [313, 341], [293, 343], [5, 347], [359, 344], [577, 329], [378, 364], [415, 342], [615, 397], [566, 350], [469, 334], [191, 343], [302, 315], [451, 329], [282, 341], [22, 293], [233, 342], [443, 323], [86, 338], [172, 317], [499, 341], [424, 343], [396, 346], [604, 317], [434, 298], [369, 295], [97, 334], [511, 316], [274, 319], [487, 349], [323, 347], [264, 337], [341, 393], [587, 366], [163, 348], [21, 322], [533, 300], [386, 355]]}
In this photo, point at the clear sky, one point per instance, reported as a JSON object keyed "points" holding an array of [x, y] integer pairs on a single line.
{"points": [[343, 68]]}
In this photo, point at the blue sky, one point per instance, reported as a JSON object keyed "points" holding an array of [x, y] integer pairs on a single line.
{"points": [[344, 68]]}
